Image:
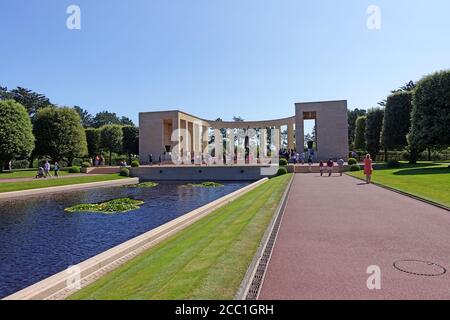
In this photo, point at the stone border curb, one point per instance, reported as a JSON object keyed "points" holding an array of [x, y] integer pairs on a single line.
{"points": [[55, 287], [250, 276], [70, 187], [441, 206]]}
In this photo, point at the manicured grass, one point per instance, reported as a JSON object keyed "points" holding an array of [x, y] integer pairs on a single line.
{"points": [[427, 180], [25, 174], [54, 182], [207, 260]]}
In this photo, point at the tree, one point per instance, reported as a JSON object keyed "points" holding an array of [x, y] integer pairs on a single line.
{"points": [[360, 130], [396, 121], [32, 101], [238, 119], [352, 115], [105, 118], [111, 137], [130, 143], [93, 141], [87, 120], [125, 121], [430, 117], [374, 123], [4, 94], [59, 134], [16, 136]]}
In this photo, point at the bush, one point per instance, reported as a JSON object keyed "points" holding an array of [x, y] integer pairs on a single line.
{"points": [[20, 164], [352, 161], [77, 162], [135, 163], [85, 165], [74, 169], [355, 167], [283, 162], [393, 164], [124, 172], [282, 171]]}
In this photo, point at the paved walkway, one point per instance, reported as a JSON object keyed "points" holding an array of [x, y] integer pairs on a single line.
{"points": [[334, 228]]}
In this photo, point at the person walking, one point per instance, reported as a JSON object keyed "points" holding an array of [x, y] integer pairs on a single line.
{"points": [[56, 169], [340, 164], [330, 165], [368, 168], [47, 169], [321, 168]]}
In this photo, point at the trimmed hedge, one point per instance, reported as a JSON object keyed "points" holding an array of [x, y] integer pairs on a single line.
{"points": [[282, 171], [283, 162], [352, 161], [355, 167], [74, 169], [124, 172], [135, 164], [85, 165]]}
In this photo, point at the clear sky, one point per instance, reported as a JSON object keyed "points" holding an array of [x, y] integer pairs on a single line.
{"points": [[252, 58]]}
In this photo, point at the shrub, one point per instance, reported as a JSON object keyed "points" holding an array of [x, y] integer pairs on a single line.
{"points": [[282, 171], [74, 169], [77, 162], [283, 162], [393, 164], [20, 164], [135, 163], [124, 172], [355, 167], [85, 165], [352, 161]]}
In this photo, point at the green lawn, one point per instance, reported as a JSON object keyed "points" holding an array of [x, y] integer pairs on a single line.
{"points": [[427, 180], [54, 182], [207, 260], [25, 174]]}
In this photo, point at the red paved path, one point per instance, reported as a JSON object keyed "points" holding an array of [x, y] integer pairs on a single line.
{"points": [[334, 228]]}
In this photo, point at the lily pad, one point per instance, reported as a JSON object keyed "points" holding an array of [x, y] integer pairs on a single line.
{"points": [[148, 184], [205, 185], [112, 206]]}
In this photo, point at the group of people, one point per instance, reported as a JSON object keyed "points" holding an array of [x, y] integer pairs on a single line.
{"points": [[330, 166], [44, 171]]}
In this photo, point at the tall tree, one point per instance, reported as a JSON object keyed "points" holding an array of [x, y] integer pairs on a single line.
{"points": [[360, 131], [93, 141], [430, 117], [32, 101], [16, 136], [125, 121], [396, 121], [59, 134], [105, 118], [352, 116], [87, 120], [130, 141], [111, 138], [374, 123]]}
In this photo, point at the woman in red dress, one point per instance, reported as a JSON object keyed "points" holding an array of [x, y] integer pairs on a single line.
{"points": [[368, 169]]}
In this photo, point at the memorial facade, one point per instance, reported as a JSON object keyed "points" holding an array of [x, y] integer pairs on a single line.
{"points": [[183, 138]]}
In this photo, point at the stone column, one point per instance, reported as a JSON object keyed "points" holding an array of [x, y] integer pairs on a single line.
{"points": [[290, 131], [218, 146]]}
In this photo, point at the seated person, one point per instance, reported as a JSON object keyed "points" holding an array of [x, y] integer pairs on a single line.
{"points": [[40, 173]]}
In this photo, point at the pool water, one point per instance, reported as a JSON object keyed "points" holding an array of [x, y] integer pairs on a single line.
{"points": [[38, 238]]}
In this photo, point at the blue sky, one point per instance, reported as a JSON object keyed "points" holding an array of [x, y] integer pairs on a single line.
{"points": [[252, 58]]}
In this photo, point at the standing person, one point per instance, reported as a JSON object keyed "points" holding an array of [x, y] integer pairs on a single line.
{"points": [[321, 168], [330, 165], [10, 165], [340, 164], [47, 169], [368, 169], [56, 169], [310, 163], [150, 159]]}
